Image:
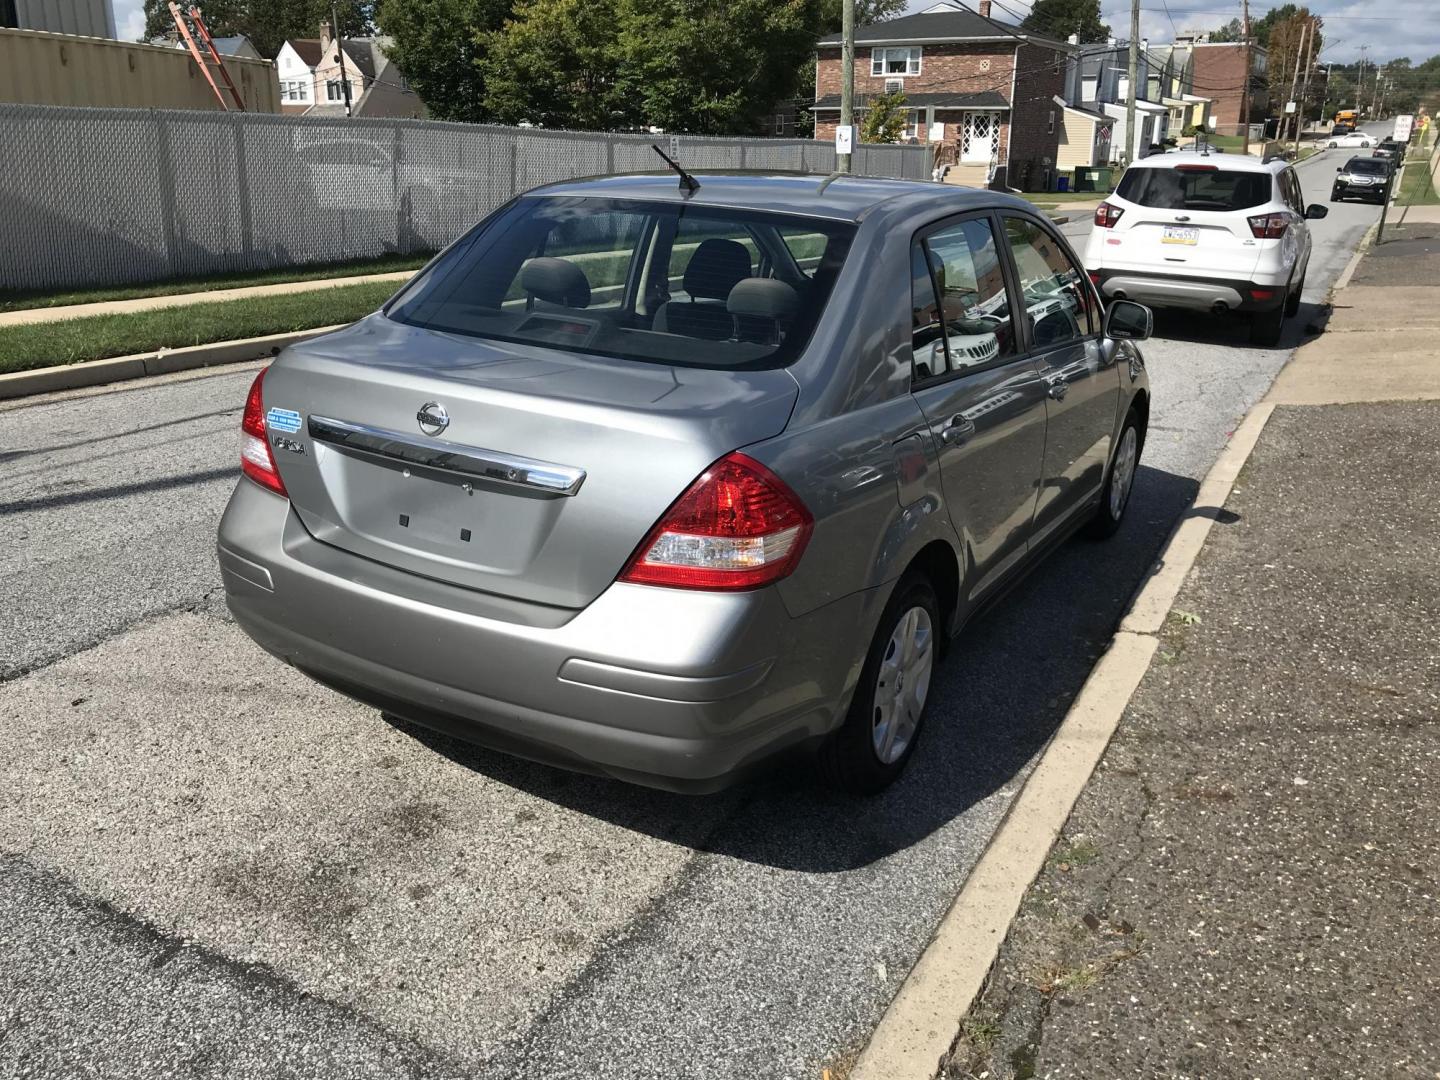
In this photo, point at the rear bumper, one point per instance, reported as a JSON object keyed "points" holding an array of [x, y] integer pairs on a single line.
{"points": [[1196, 293], [674, 689]]}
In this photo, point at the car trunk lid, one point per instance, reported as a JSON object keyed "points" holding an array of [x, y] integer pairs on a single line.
{"points": [[550, 471]]}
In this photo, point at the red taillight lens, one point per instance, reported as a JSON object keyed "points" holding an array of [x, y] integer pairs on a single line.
{"points": [[738, 526], [1107, 214], [256, 460], [1269, 226]]}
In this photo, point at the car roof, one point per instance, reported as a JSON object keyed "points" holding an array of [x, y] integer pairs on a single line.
{"points": [[1228, 162], [840, 197]]}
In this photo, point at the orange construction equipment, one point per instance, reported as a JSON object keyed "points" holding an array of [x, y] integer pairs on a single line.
{"points": [[196, 36]]}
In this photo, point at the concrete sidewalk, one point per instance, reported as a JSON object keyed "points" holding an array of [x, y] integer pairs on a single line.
{"points": [[1248, 885], [27, 316]]}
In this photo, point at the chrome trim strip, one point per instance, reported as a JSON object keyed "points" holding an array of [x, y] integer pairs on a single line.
{"points": [[491, 465]]}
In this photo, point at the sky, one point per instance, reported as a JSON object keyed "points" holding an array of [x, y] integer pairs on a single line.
{"points": [[1409, 28]]}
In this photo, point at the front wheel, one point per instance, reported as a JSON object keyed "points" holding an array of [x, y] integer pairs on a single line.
{"points": [[1119, 482], [872, 747], [1333, 145]]}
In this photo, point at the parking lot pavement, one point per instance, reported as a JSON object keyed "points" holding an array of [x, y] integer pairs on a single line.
{"points": [[509, 919]]}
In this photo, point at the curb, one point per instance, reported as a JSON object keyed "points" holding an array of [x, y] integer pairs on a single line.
{"points": [[923, 1021], [1361, 249], [140, 365]]}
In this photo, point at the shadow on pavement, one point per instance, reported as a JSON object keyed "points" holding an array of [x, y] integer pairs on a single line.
{"points": [[1233, 330], [998, 697]]}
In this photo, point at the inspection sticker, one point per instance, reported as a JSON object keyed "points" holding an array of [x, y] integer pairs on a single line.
{"points": [[283, 420]]}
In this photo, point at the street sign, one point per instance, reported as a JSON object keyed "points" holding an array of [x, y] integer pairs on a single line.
{"points": [[1290, 107], [1404, 125], [845, 139]]}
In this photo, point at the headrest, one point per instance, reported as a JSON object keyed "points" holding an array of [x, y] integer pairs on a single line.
{"points": [[765, 297], [715, 268], [556, 281]]}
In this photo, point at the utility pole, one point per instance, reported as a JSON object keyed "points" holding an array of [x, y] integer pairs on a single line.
{"points": [[1295, 84], [1245, 86], [340, 53], [1360, 81], [1132, 139], [847, 77], [1304, 90]]}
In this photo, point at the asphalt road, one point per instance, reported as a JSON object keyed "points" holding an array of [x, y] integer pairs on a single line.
{"points": [[212, 866]]}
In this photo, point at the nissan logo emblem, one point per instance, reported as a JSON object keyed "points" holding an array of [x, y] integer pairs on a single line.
{"points": [[433, 418]]}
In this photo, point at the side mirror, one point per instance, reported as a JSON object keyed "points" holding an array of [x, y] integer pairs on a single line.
{"points": [[1339, 168], [1126, 320], [1315, 210]]}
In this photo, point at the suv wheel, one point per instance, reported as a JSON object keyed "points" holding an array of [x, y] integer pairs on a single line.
{"points": [[1265, 326], [1119, 482], [871, 748]]}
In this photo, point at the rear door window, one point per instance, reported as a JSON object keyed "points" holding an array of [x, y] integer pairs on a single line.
{"points": [[1195, 187]]}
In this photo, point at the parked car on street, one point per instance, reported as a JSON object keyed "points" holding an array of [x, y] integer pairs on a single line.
{"points": [[1212, 234], [1361, 178], [1342, 129], [660, 483], [1355, 139], [1390, 150]]}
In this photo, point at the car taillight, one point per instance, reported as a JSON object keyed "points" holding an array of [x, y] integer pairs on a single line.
{"points": [[738, 526], [256, 460], [1269, 226], [1107, 214]]}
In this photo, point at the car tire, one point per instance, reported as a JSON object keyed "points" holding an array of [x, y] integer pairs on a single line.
{"points": [[1333, 145], [870, 750], [1336, 196], [1119, 480], [1292, 298], [1266, 326]]}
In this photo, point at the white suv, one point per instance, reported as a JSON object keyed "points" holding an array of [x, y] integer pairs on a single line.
{"points": [[1214, 232]]}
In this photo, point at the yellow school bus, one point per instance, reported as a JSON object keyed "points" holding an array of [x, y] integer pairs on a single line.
{"points": [[1346, 116]]}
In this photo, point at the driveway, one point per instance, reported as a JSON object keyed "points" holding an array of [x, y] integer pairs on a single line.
{"points": [[212, 866]]}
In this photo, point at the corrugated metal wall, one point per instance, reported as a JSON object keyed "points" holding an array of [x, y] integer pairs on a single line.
{"points": [[93, 18], [111, 196], [61, 69]]}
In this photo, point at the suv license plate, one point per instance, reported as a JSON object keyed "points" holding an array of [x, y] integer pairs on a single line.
{"points": [[1178, 234]]}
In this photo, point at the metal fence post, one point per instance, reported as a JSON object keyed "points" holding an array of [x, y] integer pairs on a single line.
{"points": [[165, 177]]}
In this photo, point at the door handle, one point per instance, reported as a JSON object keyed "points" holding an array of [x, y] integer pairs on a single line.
{"points": [[957, 430], [1056, 387]]}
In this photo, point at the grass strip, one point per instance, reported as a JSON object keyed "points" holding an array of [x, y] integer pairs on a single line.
{"points": [[18, 301], [71, 341], [1416, 187]]}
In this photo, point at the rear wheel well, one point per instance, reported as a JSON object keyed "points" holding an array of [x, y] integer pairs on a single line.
{"points": [[936, 560]]}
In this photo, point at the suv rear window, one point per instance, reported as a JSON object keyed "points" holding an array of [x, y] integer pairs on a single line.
{"points": [[1195, 188], [654, 282]]}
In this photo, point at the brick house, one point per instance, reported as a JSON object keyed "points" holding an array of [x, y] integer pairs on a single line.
{"points": [[1219, 74], [982, 92]]}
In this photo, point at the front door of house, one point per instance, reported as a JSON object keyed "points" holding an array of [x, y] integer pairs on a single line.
{"points": [[978, 137]]}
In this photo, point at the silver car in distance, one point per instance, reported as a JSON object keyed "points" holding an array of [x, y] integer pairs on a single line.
{"points": [[658, 482]]}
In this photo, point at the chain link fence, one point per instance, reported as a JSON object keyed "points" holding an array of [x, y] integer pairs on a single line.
{"points": [[117, 196]]}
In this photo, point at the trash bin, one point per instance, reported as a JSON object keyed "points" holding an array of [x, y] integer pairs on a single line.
{"points": [[1062, 183], [1103, 178], [1084, 178]]}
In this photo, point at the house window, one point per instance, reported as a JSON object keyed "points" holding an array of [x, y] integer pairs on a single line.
{"points": [[895, 61], [914, 125], [1088, 88], [779, 123], [335, 90], [1050, 124], [295, 90]]}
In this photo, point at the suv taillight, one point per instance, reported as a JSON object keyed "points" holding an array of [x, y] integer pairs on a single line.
{"points": [[738, 526], [256, 460], [1269, 226], [1107, 214]]}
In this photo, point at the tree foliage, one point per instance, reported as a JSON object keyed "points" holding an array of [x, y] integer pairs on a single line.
{"points": [[885, 119], [1058, 19], [438, 44], [267, 23], [704, 66]]}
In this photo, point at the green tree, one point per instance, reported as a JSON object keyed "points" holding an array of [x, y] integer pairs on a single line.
{"points": [[440, 46], [1233, 30], [1058, 19], [884, 119], [268, 23], [713, 66], [557, 64], [866, 12]]}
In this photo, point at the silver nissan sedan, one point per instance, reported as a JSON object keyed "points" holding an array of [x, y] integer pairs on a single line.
{"points": [[659, 480]]}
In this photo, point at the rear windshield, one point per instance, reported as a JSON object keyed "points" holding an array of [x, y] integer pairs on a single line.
{"points": [[1366, 165], [661, 283], [1195, 188]]}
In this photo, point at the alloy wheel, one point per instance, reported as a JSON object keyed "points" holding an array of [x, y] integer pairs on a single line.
{"points": [[1123, 476]]}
